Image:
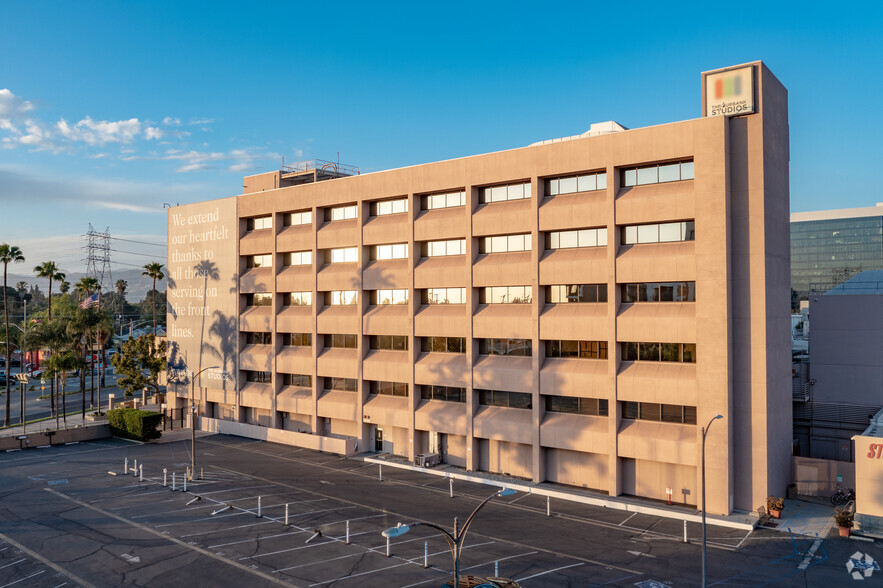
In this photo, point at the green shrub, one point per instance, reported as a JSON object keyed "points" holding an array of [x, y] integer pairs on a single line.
{"points": [[131, 423]]}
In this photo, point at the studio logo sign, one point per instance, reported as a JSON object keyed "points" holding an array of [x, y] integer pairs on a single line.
{"points": [[861, 566], [730, 93]]}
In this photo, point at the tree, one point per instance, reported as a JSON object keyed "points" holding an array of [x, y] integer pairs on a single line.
{"points": [[48, 269], [63, 346], [8, 254], [140, 364], [154, 270], [121, 286]]}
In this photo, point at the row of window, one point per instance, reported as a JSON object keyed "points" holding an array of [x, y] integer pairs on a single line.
{"points": [[659, 233], [557, 294], [577, 238], [648, 411], [637, 176], [671, 352]]}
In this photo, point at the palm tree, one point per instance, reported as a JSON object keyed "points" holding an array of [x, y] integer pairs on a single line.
{"points": [[154, 270], [85, 287], [121, 286], [48, 269], [8, 254], [64, 357]]}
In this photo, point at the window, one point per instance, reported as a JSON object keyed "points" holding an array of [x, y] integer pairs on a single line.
{"points": [[341, 297], [302, 380], [505, 295], [390, 342], [657, 174], [259, 299], [443, 296], [517, 191], [577, 238], [590, 406], [442, 200], [503, 398], [342, 255], [297, 258], [297, 339], [254, 376], [396, 251], [344, 384], [388, 388], [443, 344], [564, 293], [659, 292], [259, 261], [446, 393], [293, 219], [443, 248], [504, 243], [297, 299], [666, 413], [338, 341], [383, 207], [676, 352], [514, 347], [579, 349], [259, 222], [573, 184], [341, 213], [659, 233], [259, 338], [389, 297]]}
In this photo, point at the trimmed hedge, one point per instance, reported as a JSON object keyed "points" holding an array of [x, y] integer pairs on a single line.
{"points": [[132, 423]]}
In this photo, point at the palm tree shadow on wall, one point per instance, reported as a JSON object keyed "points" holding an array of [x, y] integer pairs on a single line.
{"points": [[224, 329], [209, 271]]}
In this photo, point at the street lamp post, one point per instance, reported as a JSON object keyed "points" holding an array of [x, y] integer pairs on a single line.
{"points": [[704, 433], [193, 418], [455, 540]]}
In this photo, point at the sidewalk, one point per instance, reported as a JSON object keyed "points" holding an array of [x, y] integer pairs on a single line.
{"points": [[805, 517], [73, 421]]}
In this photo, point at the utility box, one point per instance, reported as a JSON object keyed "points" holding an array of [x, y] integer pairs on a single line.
{"points": [[426, 460]]}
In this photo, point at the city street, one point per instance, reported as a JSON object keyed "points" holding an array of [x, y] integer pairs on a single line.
{"points": [[65, 518], [38, 408]]}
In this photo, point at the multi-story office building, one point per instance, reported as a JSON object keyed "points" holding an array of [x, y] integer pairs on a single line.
{"points": [[575, 311], [830, 246]]}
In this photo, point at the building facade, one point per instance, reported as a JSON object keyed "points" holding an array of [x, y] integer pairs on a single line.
{"points": [[573, 311], [830, 246]]}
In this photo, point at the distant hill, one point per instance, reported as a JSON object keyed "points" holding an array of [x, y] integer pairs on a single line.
{"points": [[137, 289]]}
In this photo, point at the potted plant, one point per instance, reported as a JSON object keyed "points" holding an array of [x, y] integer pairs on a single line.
{"points": [[775, 506], [845, 519]]}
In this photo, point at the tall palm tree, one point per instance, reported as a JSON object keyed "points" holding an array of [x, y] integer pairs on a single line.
{"points": [[121, 286], [85, 287], [154, 270], [8, 254], [48, 269]]}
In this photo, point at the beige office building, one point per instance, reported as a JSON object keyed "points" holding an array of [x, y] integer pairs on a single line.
{"points": [[573, 311]]}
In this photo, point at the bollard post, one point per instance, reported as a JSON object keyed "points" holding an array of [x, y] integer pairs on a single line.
{"points": [[387, 547], [136, 466], [165, 473], [174, 477], [685, 531], [200, 473], [141, 473], [451, 487], [286, 515], [126, 467], [347, 532], [426, 554], [380, 471], [259, 507], [497, 569], [185, 484], [187, 473], [548, 506]]}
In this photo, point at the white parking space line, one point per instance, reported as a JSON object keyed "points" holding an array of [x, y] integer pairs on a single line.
{"points": [[238, 489], [354, 575], [226, 529], [627, 519], [519, 580], [208, 518], [14, 563], [23, 579], [297, 532], [448, 573]]}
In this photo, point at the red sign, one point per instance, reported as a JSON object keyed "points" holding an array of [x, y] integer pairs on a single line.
{"points": [[875, 450]]}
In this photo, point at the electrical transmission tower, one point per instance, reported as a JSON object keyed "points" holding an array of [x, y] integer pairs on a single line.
{"points": [[98, 258]]}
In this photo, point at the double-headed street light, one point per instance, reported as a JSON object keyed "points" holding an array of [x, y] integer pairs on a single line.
{"points": [[704, 433], [455, 540], [193, 419]]}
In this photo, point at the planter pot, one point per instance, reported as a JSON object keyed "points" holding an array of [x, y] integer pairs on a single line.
{"points": [[776, 514], [844, 531], [95, 418]]}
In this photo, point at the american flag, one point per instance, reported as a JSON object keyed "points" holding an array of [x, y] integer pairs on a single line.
{"points": [[90, 301]]}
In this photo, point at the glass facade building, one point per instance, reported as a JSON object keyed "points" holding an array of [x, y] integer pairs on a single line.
{"points": [[828, 248]]}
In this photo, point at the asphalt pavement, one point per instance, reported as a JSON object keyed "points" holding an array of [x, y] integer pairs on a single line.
{"points": [[65, 518]]}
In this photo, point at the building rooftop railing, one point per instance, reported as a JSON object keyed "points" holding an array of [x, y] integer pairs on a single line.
{"points": [[329, 167]]}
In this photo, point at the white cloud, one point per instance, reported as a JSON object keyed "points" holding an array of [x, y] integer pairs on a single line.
{"points": [[153, 133], [171, 122], [99, 132], [200, 121], [11, 106], [127, 207]]}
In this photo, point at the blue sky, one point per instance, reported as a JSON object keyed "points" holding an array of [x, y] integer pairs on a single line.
{"points": [[110, 109]]}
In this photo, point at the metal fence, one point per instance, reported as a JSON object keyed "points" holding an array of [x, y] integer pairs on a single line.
{"points": [[173, 417]]}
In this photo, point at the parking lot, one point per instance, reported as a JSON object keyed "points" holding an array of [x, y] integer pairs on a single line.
{"points": [[65, 508]]}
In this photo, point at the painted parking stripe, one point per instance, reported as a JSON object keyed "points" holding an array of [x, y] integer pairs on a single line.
{"points": [[227, 529], [354, 575], [448, 573], [23, 579], [14, 563], [519, 580]]}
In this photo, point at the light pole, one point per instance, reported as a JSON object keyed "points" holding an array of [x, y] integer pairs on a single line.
{"points": [[193, 418], [704, 433], [23, 380], [455, 540]]}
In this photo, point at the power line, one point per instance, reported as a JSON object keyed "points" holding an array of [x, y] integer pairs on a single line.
{"points": [[134, 253], [141, 242]]}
